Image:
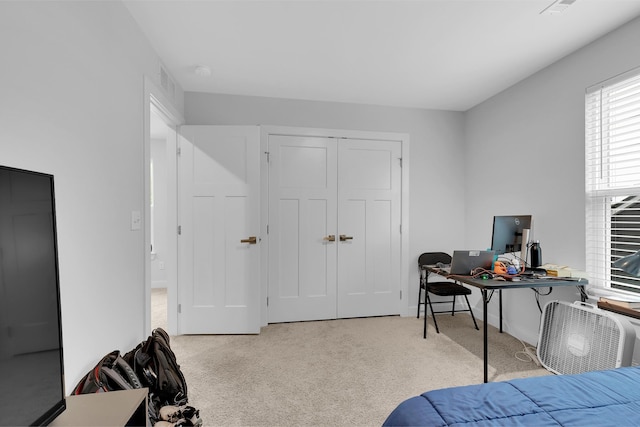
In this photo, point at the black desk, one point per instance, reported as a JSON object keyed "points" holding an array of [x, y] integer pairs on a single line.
{"points": [[488, 286]]}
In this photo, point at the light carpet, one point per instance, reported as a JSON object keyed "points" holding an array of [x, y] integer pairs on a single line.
{"points": [[350, 372]]}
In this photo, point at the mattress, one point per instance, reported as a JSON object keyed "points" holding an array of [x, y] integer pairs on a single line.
{"points": [[600, 398]]}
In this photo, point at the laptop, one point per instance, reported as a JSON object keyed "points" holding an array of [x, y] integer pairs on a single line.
{"points": [[463, 262]]}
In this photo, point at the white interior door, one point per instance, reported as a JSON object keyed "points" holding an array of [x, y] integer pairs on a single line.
{"points": [[219, 243], [302, 217], [369, 217]]}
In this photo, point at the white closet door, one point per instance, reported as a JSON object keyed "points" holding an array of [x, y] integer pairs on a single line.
{"points": [[369, 216], [321, 188], [302, 216], [219, 274]]}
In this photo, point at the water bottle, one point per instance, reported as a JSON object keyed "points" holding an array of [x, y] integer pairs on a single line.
{"points": [[536, 254]]}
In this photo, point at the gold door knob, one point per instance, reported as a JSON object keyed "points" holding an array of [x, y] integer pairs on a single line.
{"points": [[330, 238], [251, 240], [344, 237]]}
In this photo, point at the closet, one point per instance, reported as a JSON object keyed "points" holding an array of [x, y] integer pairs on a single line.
{"points": [[334, 226]]}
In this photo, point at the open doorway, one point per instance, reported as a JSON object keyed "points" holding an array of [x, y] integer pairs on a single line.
{"points": [[158, 217], [161, 121]]}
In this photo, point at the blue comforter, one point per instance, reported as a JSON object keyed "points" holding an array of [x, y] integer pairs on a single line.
{"points": [[602, 398]]}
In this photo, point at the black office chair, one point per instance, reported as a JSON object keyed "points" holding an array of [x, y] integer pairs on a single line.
{"points": [[440, 288]]}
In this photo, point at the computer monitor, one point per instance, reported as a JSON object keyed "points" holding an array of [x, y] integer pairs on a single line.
{"points": [[508, 233]]}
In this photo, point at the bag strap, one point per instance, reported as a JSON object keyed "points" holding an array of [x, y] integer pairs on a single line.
{"points": [[117, 378], [130, 375]]}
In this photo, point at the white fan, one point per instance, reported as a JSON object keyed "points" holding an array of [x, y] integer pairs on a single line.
{"points": [[579, 337]]}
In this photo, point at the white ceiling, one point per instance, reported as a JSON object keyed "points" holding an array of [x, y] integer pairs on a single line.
{"points": [[437, 54]]}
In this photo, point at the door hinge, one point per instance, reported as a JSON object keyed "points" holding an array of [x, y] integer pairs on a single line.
{"points": [[400, 294], [400, 158], [267, 153], [179, 230], [267, 228], [267, 301], [179, 308], [400, 228], [178, 151]]}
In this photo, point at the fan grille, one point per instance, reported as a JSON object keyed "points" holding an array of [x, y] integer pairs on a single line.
{"points": [[575, 340]]}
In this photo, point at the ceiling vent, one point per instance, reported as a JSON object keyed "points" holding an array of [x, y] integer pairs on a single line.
{"points": [[167, 83], [557, 7]]}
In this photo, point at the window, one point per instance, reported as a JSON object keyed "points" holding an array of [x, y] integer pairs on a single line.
{"points": [[612, 173]]}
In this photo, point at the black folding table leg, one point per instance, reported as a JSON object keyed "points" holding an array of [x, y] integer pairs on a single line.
{"points": [[484, 327], [424, 328], [500, 297]]}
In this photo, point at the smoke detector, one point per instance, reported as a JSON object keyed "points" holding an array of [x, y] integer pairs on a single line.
{"points": [[558, 6], [202, 71]]}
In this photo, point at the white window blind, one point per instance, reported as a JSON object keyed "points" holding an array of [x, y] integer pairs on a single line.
{"points": [[612, 156]]}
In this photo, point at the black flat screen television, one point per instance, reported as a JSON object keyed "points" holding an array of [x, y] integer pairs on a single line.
{"points": [[31, 359], [507, 233]]}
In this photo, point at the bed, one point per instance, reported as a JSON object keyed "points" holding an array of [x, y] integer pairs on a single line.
{"points": [[594, 398]]}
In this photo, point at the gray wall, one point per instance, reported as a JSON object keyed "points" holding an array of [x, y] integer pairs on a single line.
{"points": [[436, 164], [72, 105], [525, 155]]}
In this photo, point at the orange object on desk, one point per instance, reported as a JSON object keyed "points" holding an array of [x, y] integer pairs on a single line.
{"points": [[499, 268]]}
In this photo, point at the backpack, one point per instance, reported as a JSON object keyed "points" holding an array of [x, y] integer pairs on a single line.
{"points": [[155, 364], [111, 373]]}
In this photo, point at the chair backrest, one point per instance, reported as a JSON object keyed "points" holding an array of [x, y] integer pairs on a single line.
{"points": [[431, 258]]}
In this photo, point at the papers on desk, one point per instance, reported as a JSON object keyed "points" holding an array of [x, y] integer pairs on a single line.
{"points": [[555, 270]]}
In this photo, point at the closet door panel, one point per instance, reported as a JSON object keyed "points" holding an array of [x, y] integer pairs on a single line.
{"points": [[369, 200], [302, 206]]}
